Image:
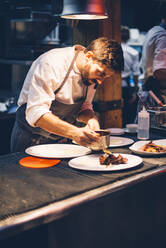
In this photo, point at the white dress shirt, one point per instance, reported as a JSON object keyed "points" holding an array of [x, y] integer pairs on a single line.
{"points": [[45, 76], [155, 40], [159, 61], [131, 62]]}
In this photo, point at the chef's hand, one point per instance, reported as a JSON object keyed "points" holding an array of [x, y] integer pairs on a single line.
{"points": [[86, 136], [93, 124]]}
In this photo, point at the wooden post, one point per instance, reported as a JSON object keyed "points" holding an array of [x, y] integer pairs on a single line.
{"points": [[83, 33], [111, 89]]}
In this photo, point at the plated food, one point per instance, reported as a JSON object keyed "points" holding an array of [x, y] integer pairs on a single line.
{"points": [[149, 147], [111, 159], [108, 158], [152, 147], [92, 163]]}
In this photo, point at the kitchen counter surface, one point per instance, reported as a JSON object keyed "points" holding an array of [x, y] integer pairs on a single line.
{"points": [[32, 197]]}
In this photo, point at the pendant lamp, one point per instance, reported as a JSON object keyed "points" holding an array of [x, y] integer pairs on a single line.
{"points": [[84, 9]]}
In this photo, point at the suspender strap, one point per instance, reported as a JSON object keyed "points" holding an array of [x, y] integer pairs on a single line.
{"points": [[68, 72]]}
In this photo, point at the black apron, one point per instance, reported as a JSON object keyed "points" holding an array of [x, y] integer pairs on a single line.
{"points": [[36, 135]]}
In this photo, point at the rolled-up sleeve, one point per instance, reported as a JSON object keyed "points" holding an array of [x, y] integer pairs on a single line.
{"points": [[159, 61], [41, 92], [160, 43]]}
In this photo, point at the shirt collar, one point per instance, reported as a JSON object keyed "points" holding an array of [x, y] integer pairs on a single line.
{"points": [[162, 25]]}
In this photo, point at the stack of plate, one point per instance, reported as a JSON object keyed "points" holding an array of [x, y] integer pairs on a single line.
{"points": [[116, 131]]}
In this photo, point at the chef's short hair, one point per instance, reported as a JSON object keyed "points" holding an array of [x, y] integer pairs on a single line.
{"points": [[108, 52]]}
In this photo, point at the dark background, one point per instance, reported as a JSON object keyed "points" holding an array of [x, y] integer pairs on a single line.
{"points": [[142, 14]]}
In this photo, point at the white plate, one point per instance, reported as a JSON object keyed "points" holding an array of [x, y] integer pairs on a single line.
{"points": [[120, 141], [116, 131], [91, 163], [135, 147], [128, 131], [57, 151]]}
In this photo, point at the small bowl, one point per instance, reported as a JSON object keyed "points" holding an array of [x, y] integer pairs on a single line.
{"points": [[104, 143], [132, 127]]}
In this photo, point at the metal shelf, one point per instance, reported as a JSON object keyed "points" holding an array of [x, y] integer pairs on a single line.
{"points": [[15, 61]]}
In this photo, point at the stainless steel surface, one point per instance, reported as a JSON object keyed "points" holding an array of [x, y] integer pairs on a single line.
{"points": [[157, 116]]}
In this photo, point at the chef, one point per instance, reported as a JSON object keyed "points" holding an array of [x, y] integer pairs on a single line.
{"points": [[59, 89], [155, 41]]}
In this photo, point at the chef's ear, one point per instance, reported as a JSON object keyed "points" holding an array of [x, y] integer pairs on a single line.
{"points": [[89, 54]]}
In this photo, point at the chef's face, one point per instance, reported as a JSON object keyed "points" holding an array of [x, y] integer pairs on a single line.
{"points": [[95, 73]]}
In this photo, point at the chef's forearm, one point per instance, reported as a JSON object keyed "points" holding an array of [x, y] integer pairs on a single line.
{"points": [[53, 124]]}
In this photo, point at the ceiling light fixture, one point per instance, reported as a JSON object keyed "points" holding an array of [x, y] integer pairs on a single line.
{"points": [[84, 9]]}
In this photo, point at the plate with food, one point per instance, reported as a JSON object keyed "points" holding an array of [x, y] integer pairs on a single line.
{"points": [[149, 147], [57, 150], [105, 162]]}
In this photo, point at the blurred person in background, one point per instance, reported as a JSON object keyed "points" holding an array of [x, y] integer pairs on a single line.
{"points": [[159, 73], [131, 71], [155, 41]]}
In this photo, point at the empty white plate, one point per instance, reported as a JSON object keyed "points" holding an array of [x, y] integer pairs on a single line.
{"points": [[120, 141], [57, 150], [116, 131]]}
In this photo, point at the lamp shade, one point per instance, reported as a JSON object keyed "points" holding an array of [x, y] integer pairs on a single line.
{"points": [[84, 9]]}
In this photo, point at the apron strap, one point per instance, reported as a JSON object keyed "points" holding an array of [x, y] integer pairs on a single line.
{"points": [[68, 72]]}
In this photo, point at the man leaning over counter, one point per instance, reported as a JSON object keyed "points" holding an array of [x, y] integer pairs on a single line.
{"points": [[59, 89]]}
